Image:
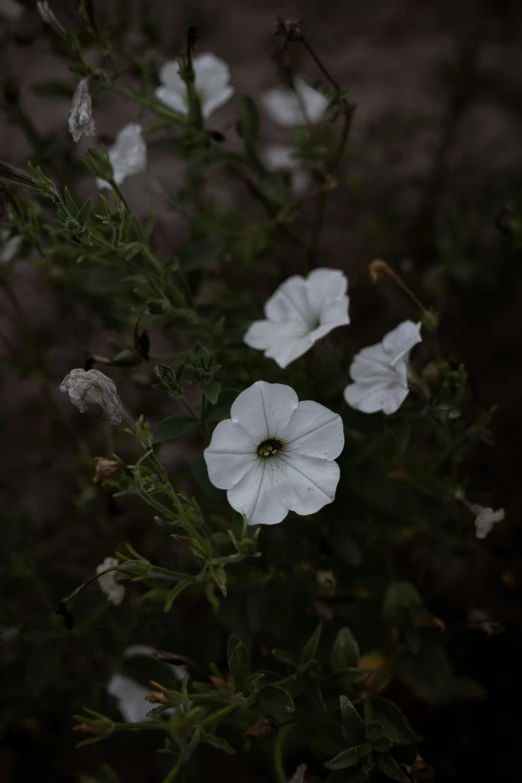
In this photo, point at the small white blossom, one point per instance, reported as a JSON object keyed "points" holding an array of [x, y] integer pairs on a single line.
{"points": [[299, 774], [301, 311], [211, 80], [81, 121], [11, 10], [380, 372], [291, 108], [281, 158], [114, 591], [128, 154], [276, 454], [86, 387], [8, 246], [486, 518]]}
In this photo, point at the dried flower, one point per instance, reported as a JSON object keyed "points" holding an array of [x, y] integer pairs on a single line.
{"points": [[104, 468], [486, 518], [86, 387], [114, 591], [81, 122]]}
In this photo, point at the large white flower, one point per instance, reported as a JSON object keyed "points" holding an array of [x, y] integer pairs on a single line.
{"points": [[128, 154], [211, 80], [114, 590], [278, 157], [380, 372], [276, 454], [301, 311], [291, 108]]}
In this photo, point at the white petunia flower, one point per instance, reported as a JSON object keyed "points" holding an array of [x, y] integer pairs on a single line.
{"points": [[276, 454], [8, 246], [291, 108], [86, 387], [114, 591], [11, 10], [301, 311], [282, 158], [380, 372], [129, 694], [486, 519], [81, 121], [211, 80], [128, 154]]}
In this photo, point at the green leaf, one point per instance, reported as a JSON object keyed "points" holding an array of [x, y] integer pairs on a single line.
{"points": [[345, 651], [402, 605], [211, 391], [239, 664], [273, 699], [85, 211], [374, 731], [250, 122], [219, 575], [354, 730], [174, 593], [217, 742], [170, 428], [350, 758], [285, 657], [390, 768], [383, 745], [310, 648]]}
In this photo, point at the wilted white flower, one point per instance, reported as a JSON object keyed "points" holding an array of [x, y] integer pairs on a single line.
{"points": [[86, 387], [486, 519], [114, 591], [276, 454], [81, 122], [211, 80], [281, 158], [8, 246], [380, 372], [301, 311], [291, 108], [298, 777], [11, 10], [130, 695], [128, 154], [49, 17]]}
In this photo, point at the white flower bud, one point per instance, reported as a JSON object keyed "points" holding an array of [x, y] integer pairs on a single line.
{"points": [[86, 387], [81, 122], [114, 591]]}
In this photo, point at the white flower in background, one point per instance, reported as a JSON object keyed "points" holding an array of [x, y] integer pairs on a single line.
{"points": [[211, 80], [128, 154], [298, 777], [283, 159], [8, 246], [276, 454], [86, 387], [380, 372], [114, 591], [130, 695], [291, 108], [486, 519], [301, 311], [11, 10], [81, 122]]}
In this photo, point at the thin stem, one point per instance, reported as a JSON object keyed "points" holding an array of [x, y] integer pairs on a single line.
{"points": [[218, 715], [317, 60], [279, 767], [379, 268], [174, 771]]}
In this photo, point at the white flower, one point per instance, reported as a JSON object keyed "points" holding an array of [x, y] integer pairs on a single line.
{"points": [[281, 158], [86, 387], [130, 695], [380, 372], [291, 108], [81, 122], [11, 10], [8, 246], [275, 454], [128, 154], [114, 591], [299, 774], [301, 311], [211, 80], [486, 519]]}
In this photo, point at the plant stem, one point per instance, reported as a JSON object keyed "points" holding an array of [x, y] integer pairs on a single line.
{"points": [[279, 767]]}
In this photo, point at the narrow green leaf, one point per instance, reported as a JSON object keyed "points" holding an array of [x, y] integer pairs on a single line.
{"points": [[285, 657], [174, 593], [274, 699], [395, 725], [354, 730], [217, 742], [250, 122], [345, 651], [390, 768], [350, 758], [310, 648], [239, 664], [211, 391]]}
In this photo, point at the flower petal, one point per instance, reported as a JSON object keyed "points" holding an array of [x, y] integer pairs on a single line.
{"points": [[264, 409], [370, 398], [230, 454], [314, 102], [177, 101], [313, 431], [130, 697], [282, 342], [262, 493], [311, 482], [290, 303], [372, 365], [291, 108], [326, 290], [279, 157], [401, 340]]}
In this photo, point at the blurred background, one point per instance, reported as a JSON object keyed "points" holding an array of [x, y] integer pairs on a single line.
{"points": [[432, 182]]}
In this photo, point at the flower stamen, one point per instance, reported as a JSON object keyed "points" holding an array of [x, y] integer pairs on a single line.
{"points": [[269, 448]]}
